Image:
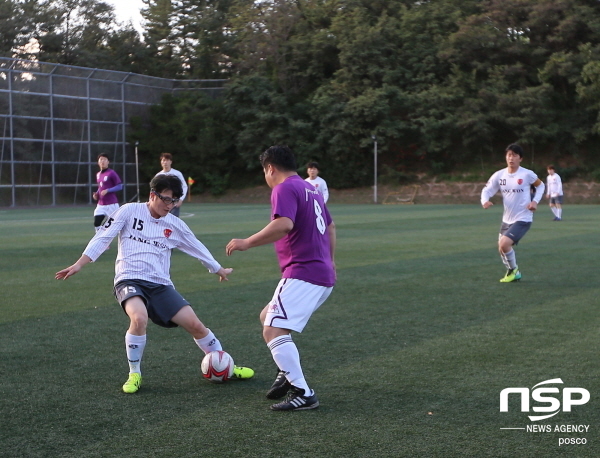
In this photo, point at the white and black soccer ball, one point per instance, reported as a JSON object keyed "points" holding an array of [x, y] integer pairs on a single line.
{"points": [[217, 366]]}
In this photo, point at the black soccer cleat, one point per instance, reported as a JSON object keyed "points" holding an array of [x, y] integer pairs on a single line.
{"points": [[280, 386], [296, 400]]}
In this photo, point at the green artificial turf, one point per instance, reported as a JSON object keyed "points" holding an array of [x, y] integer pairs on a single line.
{"points": [[408, 356]]}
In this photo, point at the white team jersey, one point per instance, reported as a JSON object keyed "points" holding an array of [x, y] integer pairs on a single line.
{"points": [[179, 175], [320, 185], [554, 186], [145, 244], [516, 193]]}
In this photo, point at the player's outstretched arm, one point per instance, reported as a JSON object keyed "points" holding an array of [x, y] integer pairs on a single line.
{"points": [[236, 245], [222, 273], [72, 270], [275, 230]]}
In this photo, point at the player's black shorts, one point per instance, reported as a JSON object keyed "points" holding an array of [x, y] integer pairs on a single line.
{"points": [[515, 231], [162, 301], [556, 200]]}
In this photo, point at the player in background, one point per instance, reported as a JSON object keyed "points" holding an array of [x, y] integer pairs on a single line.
{"points": [[514, 183], [109, 183], [554, 192], [319, 183], [304, 237], [166, 160], [147, 235]]}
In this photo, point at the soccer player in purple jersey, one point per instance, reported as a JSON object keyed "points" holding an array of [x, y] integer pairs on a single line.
{"points": [[304, 236], [109, 183]]}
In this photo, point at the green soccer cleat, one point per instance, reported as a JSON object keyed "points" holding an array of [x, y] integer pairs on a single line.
{"points": [[511, 275], [242, 372], [133, 383]]}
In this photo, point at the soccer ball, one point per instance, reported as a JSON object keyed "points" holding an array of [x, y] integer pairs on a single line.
{"points": [[217, 366]]}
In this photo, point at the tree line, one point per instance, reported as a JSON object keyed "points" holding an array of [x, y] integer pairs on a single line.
{"points": [[443, 85]]}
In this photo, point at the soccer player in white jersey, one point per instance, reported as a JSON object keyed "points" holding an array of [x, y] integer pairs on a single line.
{"points": [[147, 234], [166, 160], [514, 183], [304, 236], [554, 192], [312, 169]]}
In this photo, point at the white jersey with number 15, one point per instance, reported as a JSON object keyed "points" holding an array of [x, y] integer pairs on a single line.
{"points": [[145, 244]]}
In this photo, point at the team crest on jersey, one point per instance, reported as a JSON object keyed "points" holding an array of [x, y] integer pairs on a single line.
{"points": [[520, 181], [168, 233]]}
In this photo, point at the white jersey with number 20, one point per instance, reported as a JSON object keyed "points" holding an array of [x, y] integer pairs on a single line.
{"points": [[516, 193]]}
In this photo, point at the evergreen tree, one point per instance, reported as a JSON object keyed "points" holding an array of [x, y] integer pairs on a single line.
{"points": [[161, 53]]}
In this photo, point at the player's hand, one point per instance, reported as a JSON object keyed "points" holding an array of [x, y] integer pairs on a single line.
{"points": [[68, 272], [95, 196], [237, 245], [222, 273], [487, 204], [532, 206]]}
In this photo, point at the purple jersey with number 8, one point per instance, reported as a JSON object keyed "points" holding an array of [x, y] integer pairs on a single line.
{"points": [[304, 253]]}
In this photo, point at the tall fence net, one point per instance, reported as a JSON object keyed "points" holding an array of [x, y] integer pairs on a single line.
{"points": [[55, 120]]}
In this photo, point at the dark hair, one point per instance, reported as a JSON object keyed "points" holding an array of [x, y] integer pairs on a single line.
{"points": [[103, 155], [163, 182], [167, 156], [279, 156], [312, 165], [550, 167], [515, 149]]}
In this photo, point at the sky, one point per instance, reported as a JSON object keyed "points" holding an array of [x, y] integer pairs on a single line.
{"points": [[128, 9]]}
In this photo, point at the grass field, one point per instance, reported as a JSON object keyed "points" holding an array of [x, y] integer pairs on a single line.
{"points": [[408, 356]]}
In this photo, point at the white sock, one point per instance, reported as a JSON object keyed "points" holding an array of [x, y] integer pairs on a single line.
{"points": [[554, 211], [286, 356], [135, 349], [511, 259], [209, 343], [559, 212]]}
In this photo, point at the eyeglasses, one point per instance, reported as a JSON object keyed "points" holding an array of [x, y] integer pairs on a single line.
{"points": [[165, 199]]}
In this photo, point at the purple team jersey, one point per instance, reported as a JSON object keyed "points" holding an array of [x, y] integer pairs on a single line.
{"points": [[107, 179], [304, 253]]}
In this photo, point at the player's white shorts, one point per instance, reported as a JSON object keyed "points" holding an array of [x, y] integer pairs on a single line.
{"points": [[106, 209], [294, 302]]}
